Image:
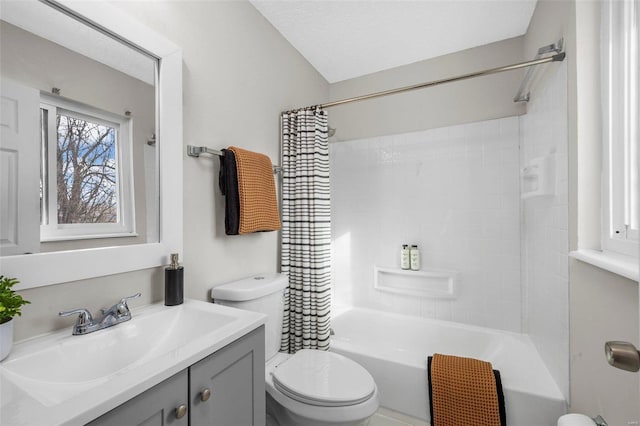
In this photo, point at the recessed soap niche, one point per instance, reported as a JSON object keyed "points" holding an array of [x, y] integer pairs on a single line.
{"points": [[431, 283], [538, 177]]}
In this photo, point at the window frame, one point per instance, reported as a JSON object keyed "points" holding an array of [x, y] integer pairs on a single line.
{"points": [[620, 95], [51, 230]]}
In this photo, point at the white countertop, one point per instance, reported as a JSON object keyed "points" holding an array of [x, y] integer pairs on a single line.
{"points": [[31, 401]]}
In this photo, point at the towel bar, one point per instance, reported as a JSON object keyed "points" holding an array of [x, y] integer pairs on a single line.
{"points": [[195, 151]]}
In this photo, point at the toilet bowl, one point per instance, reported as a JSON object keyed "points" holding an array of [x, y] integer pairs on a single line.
{"points": [[576, 420], [336, 391], [310, 387]]}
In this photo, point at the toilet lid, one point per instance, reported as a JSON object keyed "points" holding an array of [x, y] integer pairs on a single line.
{"points": [[323, 378]]}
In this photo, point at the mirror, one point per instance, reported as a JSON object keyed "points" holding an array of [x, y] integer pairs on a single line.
{"points": [[87, 161], [90, 196]]}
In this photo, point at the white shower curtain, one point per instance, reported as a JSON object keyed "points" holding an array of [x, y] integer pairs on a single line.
{"points": [[306, 230]]}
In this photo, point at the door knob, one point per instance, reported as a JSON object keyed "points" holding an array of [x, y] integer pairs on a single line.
{"points": [[622, 355]]}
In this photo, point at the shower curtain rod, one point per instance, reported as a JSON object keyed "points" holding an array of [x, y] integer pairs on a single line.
{"points": [[559, 57]]}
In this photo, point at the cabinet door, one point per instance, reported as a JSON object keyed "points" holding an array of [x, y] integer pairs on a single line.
{"points": [[234, 376], [155, 407], [19, 169]]}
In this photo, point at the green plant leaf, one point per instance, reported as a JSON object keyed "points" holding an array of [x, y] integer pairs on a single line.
{"points": [[10, 302]]}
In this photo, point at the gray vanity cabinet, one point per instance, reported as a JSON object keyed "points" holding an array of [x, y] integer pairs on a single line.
{"points": [[227, 388], [224, 389], [154, 407]]}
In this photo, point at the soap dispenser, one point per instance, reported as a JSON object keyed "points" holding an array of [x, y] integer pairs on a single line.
{"points": [[174, 282]]}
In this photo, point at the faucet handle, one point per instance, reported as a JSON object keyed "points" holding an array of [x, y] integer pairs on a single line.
{"points": [[84, 317], [135, 296], [123, 307]]}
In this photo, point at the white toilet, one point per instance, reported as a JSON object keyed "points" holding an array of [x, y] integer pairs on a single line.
{"points": [[576, 420], [310, 387]]}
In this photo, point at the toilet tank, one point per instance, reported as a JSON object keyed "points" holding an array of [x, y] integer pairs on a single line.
{"points": [[261, 293]]}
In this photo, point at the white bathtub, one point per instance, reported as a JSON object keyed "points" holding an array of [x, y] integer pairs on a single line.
{"points": [[393, 348]]}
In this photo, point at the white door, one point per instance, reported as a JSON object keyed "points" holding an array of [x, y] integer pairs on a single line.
{"points": [[19, 169]]}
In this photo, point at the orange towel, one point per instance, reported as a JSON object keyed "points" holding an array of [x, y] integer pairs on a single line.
{"points": [[257, 192], [465, 391]]}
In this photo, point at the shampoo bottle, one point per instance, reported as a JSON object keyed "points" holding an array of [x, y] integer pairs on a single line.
{"points": [[174, 282], [404, 257], [415, 258]]}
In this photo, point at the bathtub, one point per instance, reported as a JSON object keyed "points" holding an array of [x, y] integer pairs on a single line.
{"points": [[393, 348]]}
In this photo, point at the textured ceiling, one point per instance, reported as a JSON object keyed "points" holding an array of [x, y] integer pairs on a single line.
{"points": [[344, 39]]}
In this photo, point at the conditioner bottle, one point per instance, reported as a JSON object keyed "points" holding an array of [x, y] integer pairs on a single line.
{"points": [[415, 258]]}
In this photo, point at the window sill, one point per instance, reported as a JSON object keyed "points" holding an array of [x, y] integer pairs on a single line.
{"points": [[58, 238], [625, 266]]}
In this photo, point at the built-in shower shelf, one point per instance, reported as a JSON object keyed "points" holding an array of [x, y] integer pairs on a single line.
{"points": [[537, 179], [432, 283]]}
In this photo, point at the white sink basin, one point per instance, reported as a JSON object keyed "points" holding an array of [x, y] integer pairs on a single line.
{"points": [[98, 355], [58, 371]]}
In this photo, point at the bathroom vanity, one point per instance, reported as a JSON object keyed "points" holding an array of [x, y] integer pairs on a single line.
{"points": [[196, 363], [224, 388]]}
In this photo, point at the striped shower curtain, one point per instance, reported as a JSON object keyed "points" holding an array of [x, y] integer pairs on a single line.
{"points": [[306, 230]]}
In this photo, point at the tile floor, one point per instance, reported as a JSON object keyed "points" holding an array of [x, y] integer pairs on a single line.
{"points": [[384, 417]]}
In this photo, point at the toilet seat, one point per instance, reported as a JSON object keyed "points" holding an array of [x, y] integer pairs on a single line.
{"points": [[324, 379]]}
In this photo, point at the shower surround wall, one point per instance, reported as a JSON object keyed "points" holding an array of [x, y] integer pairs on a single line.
{"points": [[545, 243], [455, 192]]}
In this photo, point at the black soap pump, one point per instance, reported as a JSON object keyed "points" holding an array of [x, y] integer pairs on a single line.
{"points": [[174, 282]]}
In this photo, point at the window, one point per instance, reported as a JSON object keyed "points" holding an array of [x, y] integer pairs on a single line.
{"points": [[85, 184], [620, 125]]}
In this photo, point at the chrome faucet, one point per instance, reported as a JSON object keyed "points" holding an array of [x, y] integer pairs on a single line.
{"points": [[116, 314]]}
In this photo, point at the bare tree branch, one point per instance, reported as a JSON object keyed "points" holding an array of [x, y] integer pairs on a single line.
{"points": [[86, 171]]}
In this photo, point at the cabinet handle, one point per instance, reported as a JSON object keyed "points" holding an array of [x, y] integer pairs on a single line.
{"points": [[205, 395], [181, 411]]}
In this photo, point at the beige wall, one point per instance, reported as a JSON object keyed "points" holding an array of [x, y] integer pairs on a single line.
{"points": [[455, 103], [602, 306], [239, 73]]}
